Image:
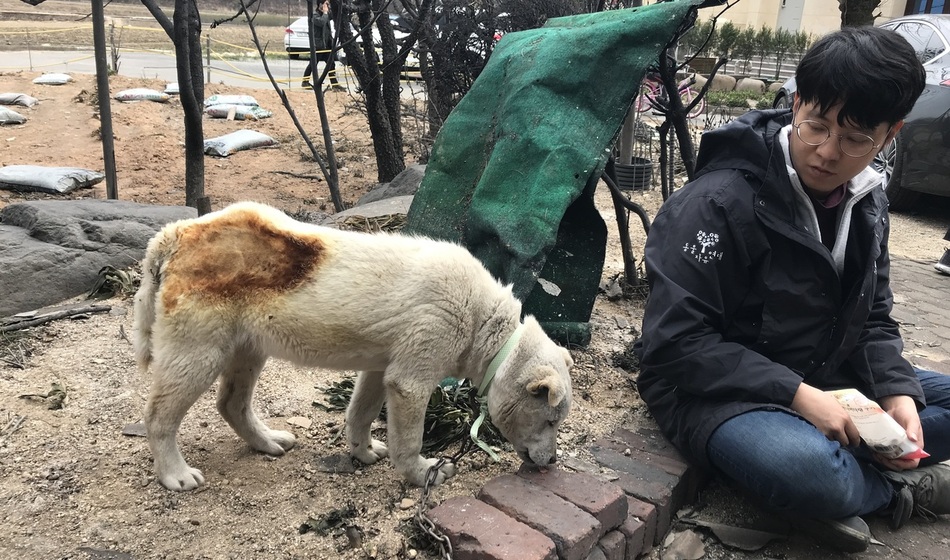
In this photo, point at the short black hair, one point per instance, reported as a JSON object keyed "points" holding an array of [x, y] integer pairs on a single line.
{"points": [[873, 72]]}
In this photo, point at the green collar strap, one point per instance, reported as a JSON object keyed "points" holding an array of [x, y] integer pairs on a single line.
{"points": [[498, 359], [483, 389]]}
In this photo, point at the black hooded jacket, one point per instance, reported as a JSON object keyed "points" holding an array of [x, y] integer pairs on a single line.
{"points": [[745, 301]]}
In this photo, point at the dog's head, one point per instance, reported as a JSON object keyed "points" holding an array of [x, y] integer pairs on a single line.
{"points": [[531, 395]]}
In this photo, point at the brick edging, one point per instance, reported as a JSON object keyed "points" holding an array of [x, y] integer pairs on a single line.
{"points": [[620, 514]]}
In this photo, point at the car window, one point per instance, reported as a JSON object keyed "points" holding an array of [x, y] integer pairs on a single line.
{"points": [[927, 43]]}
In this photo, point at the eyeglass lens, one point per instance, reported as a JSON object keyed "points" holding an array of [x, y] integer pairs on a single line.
{"points": [[853, 144]]}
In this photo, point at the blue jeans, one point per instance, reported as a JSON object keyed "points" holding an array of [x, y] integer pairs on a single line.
{"points": [[789, 466]]}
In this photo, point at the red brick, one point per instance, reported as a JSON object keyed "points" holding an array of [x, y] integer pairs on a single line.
{"points": [[664, 455], [687, 483], [634, 534], [640, 527], [605, 501], [645, 483], [622, 438], [478, 531], [655, 441], [638, 463], [596, 554], [614, 545], [573, 530]]}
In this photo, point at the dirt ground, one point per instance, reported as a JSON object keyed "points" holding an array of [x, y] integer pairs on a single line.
{"points": [[73, 486], [71, 481]]}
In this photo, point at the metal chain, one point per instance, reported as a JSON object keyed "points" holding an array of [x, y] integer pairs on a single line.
{"points": [[422, 520]]}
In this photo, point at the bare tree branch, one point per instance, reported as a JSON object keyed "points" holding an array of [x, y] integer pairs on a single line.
{"points": [[329, 168]]}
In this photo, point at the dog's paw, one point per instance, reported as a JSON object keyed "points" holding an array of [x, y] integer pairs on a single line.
{"points": [[182, 480], [372, 453], [419, 475], [276, 442]]}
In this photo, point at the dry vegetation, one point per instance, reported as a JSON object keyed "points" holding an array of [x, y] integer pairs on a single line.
{"points": [[60, 25]]}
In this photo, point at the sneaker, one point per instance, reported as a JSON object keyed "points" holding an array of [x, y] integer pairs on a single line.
{"points": [[928, 491], [850, 534], [943, 265], [901, 509]]}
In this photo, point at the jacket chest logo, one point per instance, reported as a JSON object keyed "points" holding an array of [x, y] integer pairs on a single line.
{"points": [[703, 250]]}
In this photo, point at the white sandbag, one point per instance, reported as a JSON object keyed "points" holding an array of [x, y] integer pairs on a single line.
{"points": [[241, 112], [141, 94], [172, 88], [237, 141], [55, 180], [9, 116], [18, 99], [53, 79], [218, 99]]}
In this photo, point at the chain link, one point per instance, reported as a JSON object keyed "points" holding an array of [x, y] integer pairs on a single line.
{"points": [[421, 518]]}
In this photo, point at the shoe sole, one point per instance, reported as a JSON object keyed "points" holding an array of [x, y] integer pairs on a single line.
{"points": [[838, 535]]}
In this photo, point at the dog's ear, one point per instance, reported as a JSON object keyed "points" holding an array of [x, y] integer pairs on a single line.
{"points": [[548, 382], [568, 360]]}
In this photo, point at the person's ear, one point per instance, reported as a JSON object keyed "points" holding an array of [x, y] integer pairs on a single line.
{"points": [[890, 135], [796, 102], [894, 130]]}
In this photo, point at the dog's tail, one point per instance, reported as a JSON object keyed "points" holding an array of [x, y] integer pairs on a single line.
{"points": [[159, 250]]}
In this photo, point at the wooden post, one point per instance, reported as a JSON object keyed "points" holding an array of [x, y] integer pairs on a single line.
{"points": [[105, 106]]}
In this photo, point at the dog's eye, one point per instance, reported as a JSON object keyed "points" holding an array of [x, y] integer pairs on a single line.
{"points": [[552, 423]]}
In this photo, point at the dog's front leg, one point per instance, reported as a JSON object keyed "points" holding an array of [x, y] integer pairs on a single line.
{"points": [[364, 407], [406, 409]]}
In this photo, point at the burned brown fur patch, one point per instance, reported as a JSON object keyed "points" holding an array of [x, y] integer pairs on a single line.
{"points": [[238, 256]]}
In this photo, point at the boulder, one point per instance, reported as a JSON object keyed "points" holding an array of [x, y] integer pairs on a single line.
{"points": [[52, 250], [406, 183], [372, 210], [723, 82], [775, 86], [750, 84]]}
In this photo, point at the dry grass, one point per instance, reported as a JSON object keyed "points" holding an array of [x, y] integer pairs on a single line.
{"points": [[61, 25]]}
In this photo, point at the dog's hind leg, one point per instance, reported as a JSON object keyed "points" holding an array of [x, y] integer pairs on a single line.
{"points": [[235, 393], [365, 404], [178, 379]]}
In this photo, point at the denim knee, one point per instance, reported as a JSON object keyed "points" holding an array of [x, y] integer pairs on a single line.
{"points": [[788, 465]]}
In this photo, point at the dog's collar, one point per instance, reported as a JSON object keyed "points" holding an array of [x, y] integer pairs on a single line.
{"points": [[483, 389], [499, 358]]}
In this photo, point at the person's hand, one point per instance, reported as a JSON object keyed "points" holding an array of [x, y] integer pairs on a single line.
{"points": [[903, 409], [826, 414]]}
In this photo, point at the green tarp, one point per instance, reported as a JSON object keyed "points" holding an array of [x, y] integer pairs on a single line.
{"points": [[514, 167]]}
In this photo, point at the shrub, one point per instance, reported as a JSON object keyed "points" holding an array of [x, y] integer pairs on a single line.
{"points": [[740, 99]]}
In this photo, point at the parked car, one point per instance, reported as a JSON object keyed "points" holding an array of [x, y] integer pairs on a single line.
{"points": [[918, 160], [297, 36]]}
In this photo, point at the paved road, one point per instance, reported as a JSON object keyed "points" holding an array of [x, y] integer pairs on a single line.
{"points": [[247, 72]]}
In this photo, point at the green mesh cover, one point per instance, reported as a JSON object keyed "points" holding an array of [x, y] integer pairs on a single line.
{"points": [[514, 167]]}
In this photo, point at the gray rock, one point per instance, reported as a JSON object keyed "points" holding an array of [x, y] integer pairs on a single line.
{"points": [[384, 207], [52, 250], [723, 82], [406, 183], [750, 84]]}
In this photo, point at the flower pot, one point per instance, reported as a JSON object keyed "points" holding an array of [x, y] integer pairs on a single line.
{"points": [[635, 175]]}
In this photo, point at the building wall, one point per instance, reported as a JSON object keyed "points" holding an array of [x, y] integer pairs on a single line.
{"points": [[817, 16]]}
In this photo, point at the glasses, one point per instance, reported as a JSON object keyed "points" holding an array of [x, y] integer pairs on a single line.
{"points": [[853, 144]]}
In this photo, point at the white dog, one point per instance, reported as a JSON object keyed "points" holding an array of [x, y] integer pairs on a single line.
{"points": [[222, 293]]}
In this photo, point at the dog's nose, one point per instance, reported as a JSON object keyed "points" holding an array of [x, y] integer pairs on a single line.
{"points": [[552, 460]]}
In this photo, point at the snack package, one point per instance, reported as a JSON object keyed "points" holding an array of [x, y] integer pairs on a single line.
{"points": [[878, 430]]}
